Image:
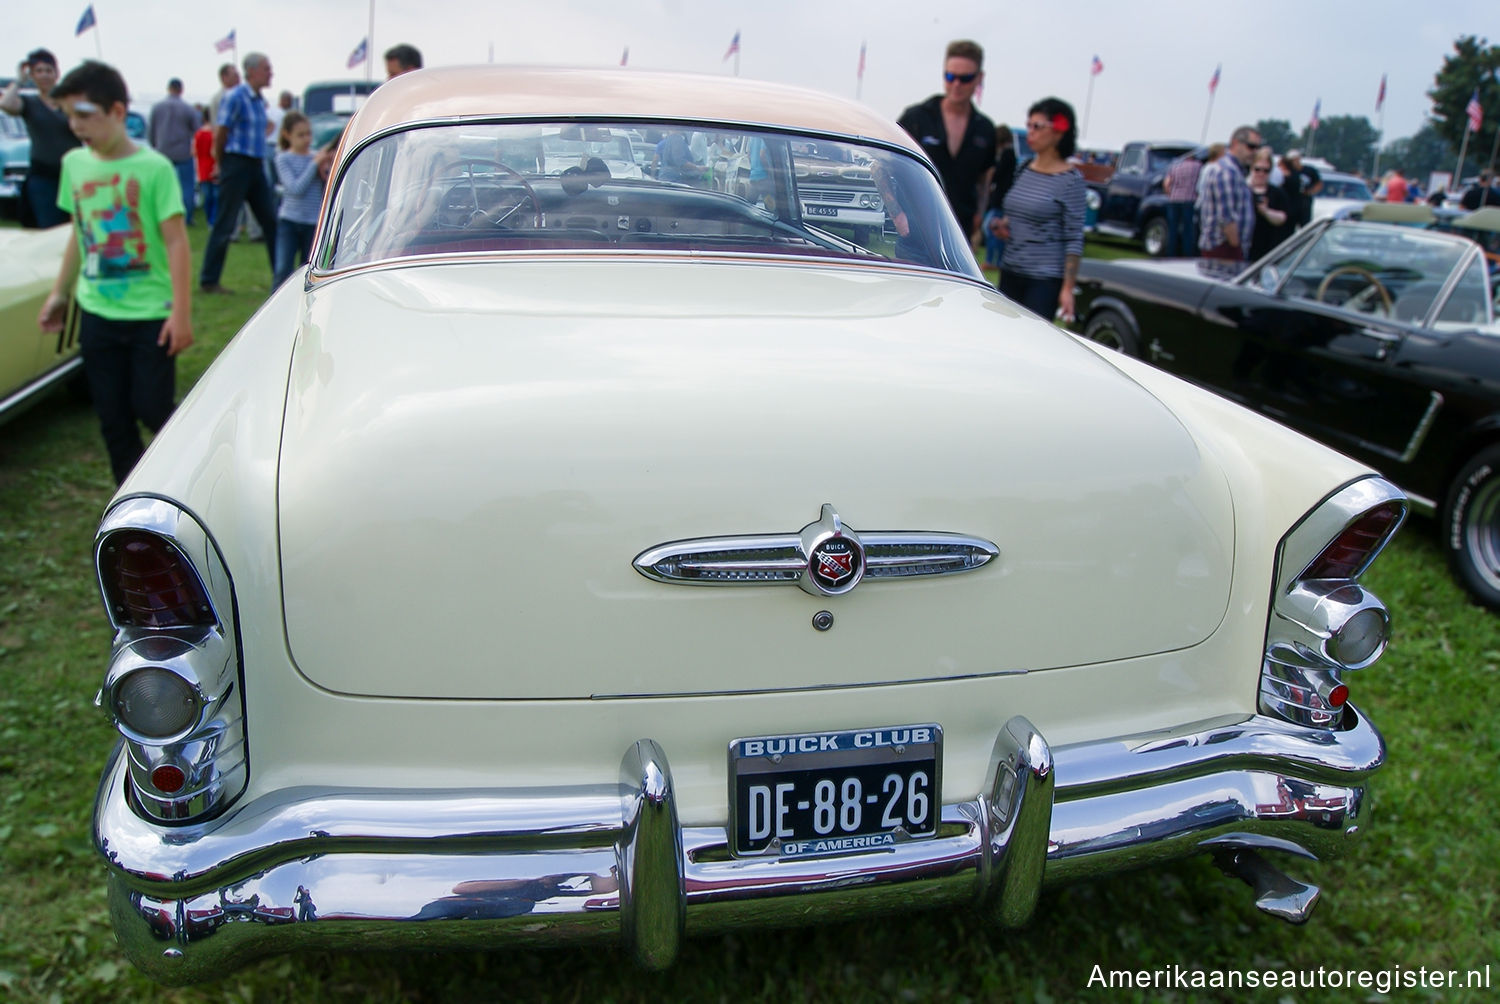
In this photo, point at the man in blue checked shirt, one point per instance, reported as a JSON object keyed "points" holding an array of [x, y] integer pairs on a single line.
{"points": [[1226, 206], [241, 143]]}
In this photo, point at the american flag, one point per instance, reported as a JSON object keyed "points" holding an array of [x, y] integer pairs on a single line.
{"points": [[1213, 85], [1097, 68], [734, 47], [226, 43], [1380, 98], [1317, 107], [360, 52], [1475, 110], [85, 22]]}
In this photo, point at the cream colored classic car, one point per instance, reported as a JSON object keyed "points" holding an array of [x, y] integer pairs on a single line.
{"points": [[595, 557], [32, 361]]}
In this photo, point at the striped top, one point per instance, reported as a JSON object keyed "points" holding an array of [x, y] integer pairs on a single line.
{"points": [[1045, 212], [301, 187]]}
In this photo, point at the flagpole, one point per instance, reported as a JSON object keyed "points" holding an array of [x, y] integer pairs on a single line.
{"points": [[1458, 172], [1207, 115], [1375, 171], [370, 48], [1088, 102], [98, 43]]}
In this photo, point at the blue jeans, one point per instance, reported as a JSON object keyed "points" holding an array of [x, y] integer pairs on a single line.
{"points": [[187, 180], [242, 181], [41, 196], [210, 192], [1037, 294], [1182, 230], [994, 247], [293, 247]]}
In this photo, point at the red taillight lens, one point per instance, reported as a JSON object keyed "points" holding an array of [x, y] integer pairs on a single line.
{"points": [[168, 779], [149, 584], [1338, 696], [1352, 550]]}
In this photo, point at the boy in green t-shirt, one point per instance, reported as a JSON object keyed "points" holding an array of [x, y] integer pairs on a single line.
{"points": [[136, 273]]}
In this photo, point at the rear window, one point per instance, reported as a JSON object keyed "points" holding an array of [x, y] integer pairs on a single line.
{"points": [[477, 187]]}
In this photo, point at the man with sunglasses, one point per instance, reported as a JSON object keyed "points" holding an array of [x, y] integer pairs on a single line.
{"points": [[958, 138], [1227, 206]]}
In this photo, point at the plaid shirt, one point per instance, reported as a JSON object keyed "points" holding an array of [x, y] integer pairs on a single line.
{"points": [[1182, 179], [1225, 199], [243, 113]]}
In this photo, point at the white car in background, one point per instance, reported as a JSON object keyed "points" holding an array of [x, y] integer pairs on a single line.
{"points": [[1340, 196]]}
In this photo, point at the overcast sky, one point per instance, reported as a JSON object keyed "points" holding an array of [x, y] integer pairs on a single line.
{"points": [[1278, 57]]}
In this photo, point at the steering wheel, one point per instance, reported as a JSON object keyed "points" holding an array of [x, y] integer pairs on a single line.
{"points": [[500, 208], [1385, 294]]}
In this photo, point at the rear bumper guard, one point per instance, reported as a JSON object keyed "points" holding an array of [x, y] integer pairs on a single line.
{"points": [[337, 870]]}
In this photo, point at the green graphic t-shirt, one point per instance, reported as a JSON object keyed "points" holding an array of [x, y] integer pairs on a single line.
{"points": [[117, 208]]}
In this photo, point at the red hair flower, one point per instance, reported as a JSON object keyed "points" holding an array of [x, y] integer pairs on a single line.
{"points": [[1060, 123]]}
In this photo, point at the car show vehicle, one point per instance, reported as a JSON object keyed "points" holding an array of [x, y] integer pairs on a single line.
{"points": [[591, 557], [15, 161], [1341, 195], [32, 362], [1377, 339], [1133, 205], [328, 104]]}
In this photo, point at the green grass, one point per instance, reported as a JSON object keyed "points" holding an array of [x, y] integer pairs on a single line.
{"points": [[1421, 889]]}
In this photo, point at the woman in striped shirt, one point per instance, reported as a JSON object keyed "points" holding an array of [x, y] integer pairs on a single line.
{"points": [[1043, 222]]}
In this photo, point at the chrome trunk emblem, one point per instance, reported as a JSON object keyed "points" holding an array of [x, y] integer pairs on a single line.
{"points": [[825, 558]]}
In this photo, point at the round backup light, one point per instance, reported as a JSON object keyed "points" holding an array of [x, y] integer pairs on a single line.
{"points": [[155, 703], [1360, 639], [168, 778]]}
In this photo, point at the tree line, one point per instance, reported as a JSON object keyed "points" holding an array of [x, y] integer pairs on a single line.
{"points": [[1350, 141]]}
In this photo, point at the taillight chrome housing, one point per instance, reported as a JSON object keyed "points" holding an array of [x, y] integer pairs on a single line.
{"points": [[1322, 621], [173, 686]]}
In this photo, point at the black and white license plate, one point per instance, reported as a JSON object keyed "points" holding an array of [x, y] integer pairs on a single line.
{"points": [[808, 210], [834, 792]]}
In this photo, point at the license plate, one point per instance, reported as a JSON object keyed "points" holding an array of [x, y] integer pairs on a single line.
{"points": [[820, 210], [834, 792]]}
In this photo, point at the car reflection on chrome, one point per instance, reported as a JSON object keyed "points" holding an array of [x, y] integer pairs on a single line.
{"points": [[584, 556]]}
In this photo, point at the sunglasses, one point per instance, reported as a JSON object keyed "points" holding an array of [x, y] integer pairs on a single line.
{"points": [[1033, 126], [962, 78], [1262, 170], [1253, 146]]}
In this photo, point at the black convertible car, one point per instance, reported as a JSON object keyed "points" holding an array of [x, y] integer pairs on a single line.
{"points": [[1378, 340]]}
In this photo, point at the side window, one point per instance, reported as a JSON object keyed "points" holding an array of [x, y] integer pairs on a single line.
{"points": [[1467, 304], [1134, 161]]}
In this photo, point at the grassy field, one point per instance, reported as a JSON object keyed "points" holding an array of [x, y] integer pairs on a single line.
{"points": [[1421, 889]]}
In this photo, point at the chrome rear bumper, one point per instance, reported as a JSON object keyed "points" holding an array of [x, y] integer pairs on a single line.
{"points": [[307, 868]]}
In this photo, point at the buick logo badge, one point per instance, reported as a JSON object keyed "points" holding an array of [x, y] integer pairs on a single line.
{"points": [[834, 561], [835, 557]]}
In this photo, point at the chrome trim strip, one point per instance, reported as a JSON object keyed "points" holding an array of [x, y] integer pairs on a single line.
{"points": [[24, 396], [529, 866], [783, 558], [1424, 426]]}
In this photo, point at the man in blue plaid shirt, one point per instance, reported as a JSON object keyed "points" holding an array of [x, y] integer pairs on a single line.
{"points": [[1226, 210], [240, 145]]}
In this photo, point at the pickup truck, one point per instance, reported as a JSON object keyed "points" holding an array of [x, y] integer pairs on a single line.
{"points": [[1132, 204]]}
